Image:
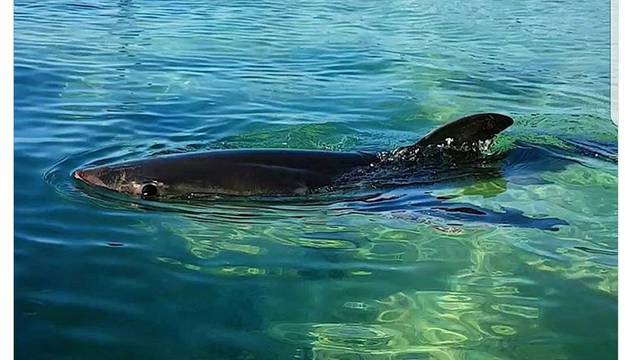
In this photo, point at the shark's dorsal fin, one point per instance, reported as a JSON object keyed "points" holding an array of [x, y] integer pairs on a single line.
{"points": [[467, 136], [468, 130]]}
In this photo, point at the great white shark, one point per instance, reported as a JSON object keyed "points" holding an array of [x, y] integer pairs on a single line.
{"points": [[269, 172]]}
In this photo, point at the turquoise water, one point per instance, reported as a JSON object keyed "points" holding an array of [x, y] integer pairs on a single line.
{"points": [[387, 276]]}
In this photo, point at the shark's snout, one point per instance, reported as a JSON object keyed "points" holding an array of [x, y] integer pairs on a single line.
{"points": [[78, 175], [88, 177]]}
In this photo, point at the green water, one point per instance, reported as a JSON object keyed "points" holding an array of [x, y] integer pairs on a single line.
{"points": [[382, 277]]}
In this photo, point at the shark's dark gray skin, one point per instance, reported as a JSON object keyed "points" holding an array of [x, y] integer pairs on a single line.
{"points": [[270, 172]]}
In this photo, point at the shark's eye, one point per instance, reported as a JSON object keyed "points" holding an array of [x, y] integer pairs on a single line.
{"points": [[149, 191]]}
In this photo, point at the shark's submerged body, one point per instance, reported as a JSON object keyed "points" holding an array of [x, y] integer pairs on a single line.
{"points": [[274, 172]]}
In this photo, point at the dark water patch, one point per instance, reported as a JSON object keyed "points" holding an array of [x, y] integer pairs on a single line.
{"points": [[422, 207], [595, 149], [597, 251], [463, 210]]}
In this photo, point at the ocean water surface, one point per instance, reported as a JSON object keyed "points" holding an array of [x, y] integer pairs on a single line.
{"points": [[513, 260]]}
